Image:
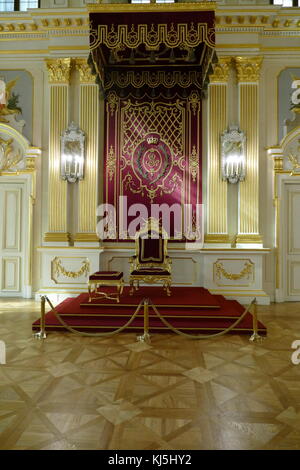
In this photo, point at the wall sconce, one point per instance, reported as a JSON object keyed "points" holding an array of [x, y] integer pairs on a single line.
{"points": [[233, 155], [72, 154]]}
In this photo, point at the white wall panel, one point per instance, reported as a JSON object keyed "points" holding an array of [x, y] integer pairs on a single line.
{"points": [[11, 220], [11, 274]]}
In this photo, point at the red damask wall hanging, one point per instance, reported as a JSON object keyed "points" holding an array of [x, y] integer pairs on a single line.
{"points": [[152, 68]]}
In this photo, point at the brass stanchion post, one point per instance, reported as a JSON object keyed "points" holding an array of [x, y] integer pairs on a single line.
{"points": [[145, 337], [42, 333], [255, 338]]}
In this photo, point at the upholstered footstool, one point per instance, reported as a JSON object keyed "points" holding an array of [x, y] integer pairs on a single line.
{"points": [[105, 278]]}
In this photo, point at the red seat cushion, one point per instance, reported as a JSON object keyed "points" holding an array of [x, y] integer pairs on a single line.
{"points": [[106, 276], [150, 272]]}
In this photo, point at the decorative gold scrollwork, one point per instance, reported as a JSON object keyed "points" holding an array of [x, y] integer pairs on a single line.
{"points": [[111, 163], [245, 272], [59, 269], [153, 79], [194, 100], [8, 158], [194, 163], [59, 70], [248, 68], [153, 36], [295, 164], [112, 102]]}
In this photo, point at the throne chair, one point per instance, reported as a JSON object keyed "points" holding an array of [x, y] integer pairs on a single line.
{"points": [[151, 263]]}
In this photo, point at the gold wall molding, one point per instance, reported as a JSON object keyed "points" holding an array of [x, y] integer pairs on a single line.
{"points": [[88, 187], [221, 70], [248, 69], [217, 238], [84, 70], [86, 237], [248, 238], [59, 70], [151, 7], [59, 74], [57, 237], [217, 225], [248, 224]]}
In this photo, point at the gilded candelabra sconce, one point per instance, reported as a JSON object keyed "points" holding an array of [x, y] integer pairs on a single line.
{"points": [[233, 155], [72, 153]]}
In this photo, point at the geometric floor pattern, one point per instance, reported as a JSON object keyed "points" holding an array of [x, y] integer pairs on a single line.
{"points": [[71, 392]]}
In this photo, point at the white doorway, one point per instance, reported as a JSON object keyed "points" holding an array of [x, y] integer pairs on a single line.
{"points": [[290, 229], [15, 236]]}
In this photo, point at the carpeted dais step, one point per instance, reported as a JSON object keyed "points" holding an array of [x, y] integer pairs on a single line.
{"points": [[213, 314]]}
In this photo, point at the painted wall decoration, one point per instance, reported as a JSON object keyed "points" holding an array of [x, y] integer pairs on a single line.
{"points": [[153, 152], [288, 99], [16, 104]]}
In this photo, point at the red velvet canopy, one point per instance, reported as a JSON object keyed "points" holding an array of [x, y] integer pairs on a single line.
{"points": [[152, 64]]}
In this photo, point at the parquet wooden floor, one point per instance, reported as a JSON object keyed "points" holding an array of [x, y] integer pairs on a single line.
{"points": [[70, 392]]}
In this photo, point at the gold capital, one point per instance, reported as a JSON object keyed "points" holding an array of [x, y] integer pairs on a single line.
{"points": [[221, 70], [84, 70], [248, 68], [59, 70]]}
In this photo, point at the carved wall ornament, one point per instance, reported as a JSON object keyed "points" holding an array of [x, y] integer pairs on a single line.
{"points": [[59, 70], [293, 158], [9, 157], [58, 269], [85, 73], [248, 68], [221, 70], [220, 271]]}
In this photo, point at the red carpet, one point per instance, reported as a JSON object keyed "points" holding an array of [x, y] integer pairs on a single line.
{"points": [[190, 309]]}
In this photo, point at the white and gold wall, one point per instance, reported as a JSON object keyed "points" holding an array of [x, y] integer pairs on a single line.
{"points": [[241, 257]]}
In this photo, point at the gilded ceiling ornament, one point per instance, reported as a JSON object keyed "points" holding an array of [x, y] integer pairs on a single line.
{"points": [[59, 70], [84, 70], [248, 68], [221, 70]]}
